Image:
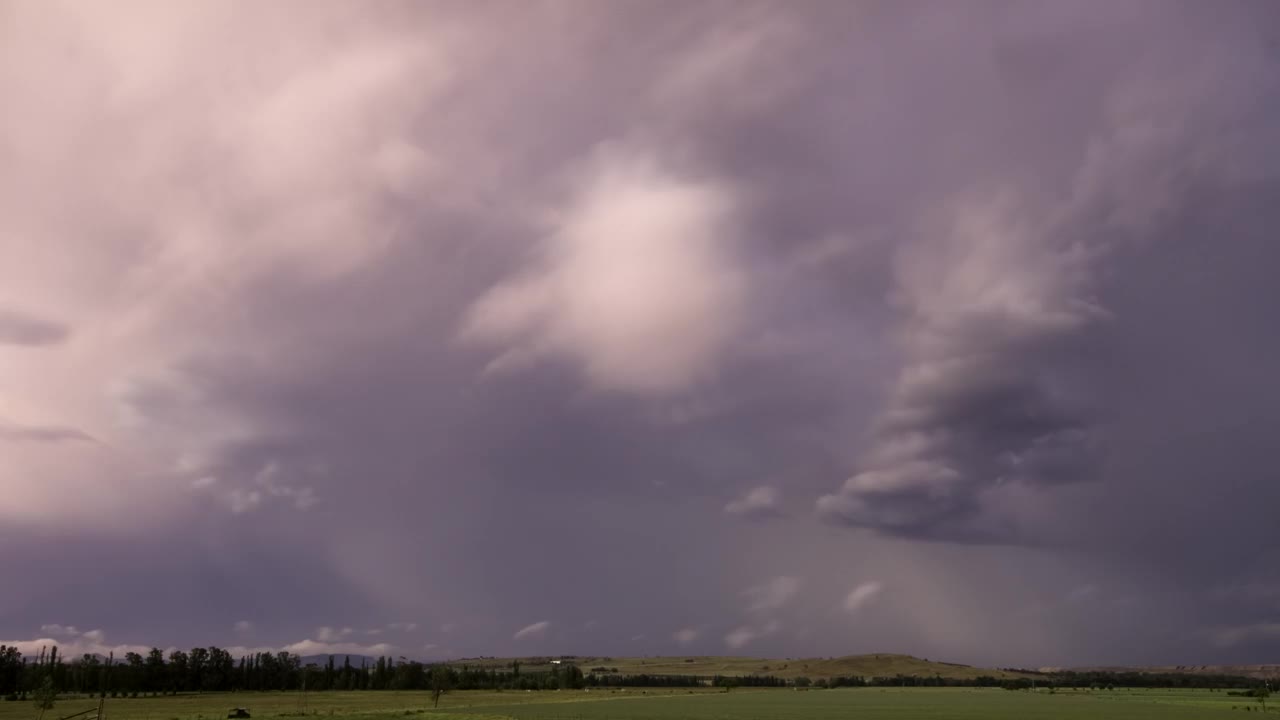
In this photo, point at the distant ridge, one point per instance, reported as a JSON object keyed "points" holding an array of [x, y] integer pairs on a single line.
{"points": [[1250, 671], [870, 665]]}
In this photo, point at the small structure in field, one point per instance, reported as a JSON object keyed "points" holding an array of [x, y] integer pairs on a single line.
{"points": [[238, 713]]}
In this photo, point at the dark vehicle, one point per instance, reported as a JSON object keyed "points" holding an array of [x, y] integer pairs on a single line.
{"points": [[238, 713]]}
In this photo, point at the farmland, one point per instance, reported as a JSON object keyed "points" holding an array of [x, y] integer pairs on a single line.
{"points": [[672, 704]]}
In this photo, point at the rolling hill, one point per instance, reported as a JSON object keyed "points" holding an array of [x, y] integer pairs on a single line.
{"points": [[872, 665]]}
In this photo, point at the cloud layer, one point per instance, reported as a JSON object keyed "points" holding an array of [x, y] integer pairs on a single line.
{"points": [[448, 317]]}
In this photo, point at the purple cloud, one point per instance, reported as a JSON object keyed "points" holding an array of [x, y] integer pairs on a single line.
{"points": [[365, 314]]}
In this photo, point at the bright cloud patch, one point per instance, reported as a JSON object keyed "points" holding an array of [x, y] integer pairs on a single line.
{"points": [[636, 284]]}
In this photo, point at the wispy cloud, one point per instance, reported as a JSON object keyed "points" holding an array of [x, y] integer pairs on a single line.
{"points": [[773, 594], [861, 595], [534, 630], [1233, 636], [328, 634], [685, 636], [744, 635], [760, 502]]}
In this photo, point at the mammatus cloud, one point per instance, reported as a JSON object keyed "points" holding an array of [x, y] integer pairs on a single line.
{"points": [[17, 328], [537, 629], [637, 283], [773, 594], [685, 636], [761, 502], [861, 595]]}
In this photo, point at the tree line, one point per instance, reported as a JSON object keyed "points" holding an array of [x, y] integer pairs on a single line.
{"points": [[214, 669], [210, 669]]}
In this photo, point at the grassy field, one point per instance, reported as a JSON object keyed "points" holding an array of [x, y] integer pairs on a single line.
{"points": [[876, 665], [677, 704], [884, 704]]}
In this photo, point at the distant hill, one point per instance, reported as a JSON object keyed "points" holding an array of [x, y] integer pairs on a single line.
{"points": [[874, 665], [870, 665], [1250, 671]]}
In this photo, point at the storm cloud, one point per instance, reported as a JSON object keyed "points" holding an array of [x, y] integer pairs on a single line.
{"points": [[460, 329]]}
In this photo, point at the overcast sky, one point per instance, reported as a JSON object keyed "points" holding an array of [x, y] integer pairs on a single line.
{"points": [[511, 328]]}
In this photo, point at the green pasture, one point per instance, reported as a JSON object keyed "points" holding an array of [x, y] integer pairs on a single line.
{"points": [[890, 704], [678, 704]]}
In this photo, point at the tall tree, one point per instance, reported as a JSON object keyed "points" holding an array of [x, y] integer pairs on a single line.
{"points": [[46, 694], [154, 673], [441, 677], [197, 662], [178, 671]]}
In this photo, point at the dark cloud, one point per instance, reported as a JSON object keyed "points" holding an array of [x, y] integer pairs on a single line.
{"points": [[1002, 298]]}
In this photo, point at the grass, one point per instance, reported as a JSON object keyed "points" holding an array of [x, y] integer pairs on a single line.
{"points": [[889, 704], [373, 705], [679, 704]]}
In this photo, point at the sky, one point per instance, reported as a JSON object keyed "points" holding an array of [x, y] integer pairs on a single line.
{"points": [[446, 329]]}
